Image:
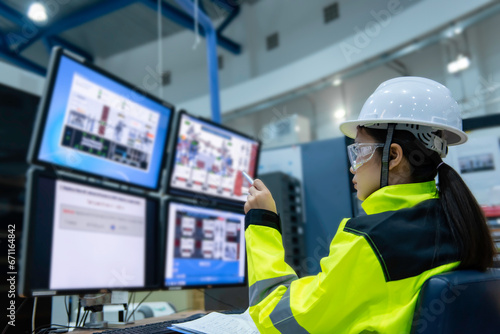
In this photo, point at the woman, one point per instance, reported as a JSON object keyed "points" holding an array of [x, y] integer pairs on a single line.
{"points": [[413, 230]]}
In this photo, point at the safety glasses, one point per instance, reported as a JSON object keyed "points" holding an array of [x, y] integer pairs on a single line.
{"points": [[361, 153]]}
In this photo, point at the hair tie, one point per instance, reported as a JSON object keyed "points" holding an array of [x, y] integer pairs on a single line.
{"points": [[442, 162]]}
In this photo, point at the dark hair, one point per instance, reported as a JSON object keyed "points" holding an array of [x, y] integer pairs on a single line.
{"points": [[464, 216]]}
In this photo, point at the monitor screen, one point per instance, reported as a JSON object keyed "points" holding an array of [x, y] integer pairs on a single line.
{"points": [[87, 238], [92, 122], [209, 158], [204, 246]]}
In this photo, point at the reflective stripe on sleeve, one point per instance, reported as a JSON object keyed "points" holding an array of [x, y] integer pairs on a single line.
{"points": [[261, 289], [283, 319]]}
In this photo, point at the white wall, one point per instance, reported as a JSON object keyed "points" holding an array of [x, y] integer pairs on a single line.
{"points": [[477, 89], [18, 78]]}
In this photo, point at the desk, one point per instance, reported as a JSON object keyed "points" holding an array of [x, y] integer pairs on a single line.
{"points": [[142, 322]]}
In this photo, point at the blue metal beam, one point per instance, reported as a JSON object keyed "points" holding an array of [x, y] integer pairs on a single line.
{"points": [[12, 15], [48, 44], [186, 21], [82, 16], [24, 63], [213, 68], [225, 5], [232, 15]]}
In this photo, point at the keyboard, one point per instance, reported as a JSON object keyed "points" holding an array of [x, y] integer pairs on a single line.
{"points": [[161, 327]]}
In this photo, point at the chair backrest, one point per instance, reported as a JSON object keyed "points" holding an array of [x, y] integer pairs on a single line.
{"points": [[463, 301]]}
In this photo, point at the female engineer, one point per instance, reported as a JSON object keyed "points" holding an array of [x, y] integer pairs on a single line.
{"points": [[413, 230]]}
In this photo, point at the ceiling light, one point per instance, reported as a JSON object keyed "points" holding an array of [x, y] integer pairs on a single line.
{"points": [[337, 82], [458, 30], [339, 113], [37, 12], [461, 63]]}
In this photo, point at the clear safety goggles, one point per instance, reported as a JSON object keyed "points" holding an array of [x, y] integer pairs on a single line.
{"points": [[361, 153]]}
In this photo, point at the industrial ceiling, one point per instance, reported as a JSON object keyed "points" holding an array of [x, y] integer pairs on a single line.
{"points": [[99, 29]]}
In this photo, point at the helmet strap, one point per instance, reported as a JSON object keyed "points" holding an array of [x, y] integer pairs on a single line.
{"points": [[384, 174]]}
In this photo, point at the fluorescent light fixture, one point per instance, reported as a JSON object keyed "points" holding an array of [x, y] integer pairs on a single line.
{"points": [[461, 63], [337, 82], [37, 12], [339, 113]]}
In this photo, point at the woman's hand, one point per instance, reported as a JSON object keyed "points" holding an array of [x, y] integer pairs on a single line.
{"points": [[259, 197]]}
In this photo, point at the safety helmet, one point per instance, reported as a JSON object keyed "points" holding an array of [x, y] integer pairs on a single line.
{"points": [[419, 105]]}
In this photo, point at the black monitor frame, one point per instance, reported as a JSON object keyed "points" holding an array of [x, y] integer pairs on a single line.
{"points": [[32, 231], [199, 197], [164, 238], [45, 102]]}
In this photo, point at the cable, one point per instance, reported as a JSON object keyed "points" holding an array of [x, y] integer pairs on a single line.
{"points": [[47, 328], [220, 301], [78, 313], [33, 316], [66, 307], [128, 305], [197, 39], [133, 302], [84, 318], [137, 307], [160, 49]]}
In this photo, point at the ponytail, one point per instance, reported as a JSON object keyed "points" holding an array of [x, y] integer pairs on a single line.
{"points": [[466, 220], [464, 216]]}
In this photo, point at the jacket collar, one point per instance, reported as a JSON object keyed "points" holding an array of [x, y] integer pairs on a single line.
{"points": [[399, 196]]}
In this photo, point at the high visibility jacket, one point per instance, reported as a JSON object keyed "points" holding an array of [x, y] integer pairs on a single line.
{"points": [[371, 278]]}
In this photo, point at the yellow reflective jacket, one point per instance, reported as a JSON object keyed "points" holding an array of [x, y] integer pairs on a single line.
{"points": [[369, 282]]}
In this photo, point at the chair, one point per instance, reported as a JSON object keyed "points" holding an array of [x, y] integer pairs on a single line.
{"points": [[464, 301]]}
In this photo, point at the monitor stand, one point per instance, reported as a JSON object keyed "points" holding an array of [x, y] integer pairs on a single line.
{"points": [[95, 304]]}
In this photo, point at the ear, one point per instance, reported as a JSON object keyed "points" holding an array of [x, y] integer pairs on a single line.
{"points": [[395, 156]]}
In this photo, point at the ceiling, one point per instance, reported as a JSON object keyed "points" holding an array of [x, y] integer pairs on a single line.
{"points": [[94, 28]]}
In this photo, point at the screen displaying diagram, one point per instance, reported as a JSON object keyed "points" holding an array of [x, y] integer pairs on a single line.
{"points": [[94, 123], [204, 246], [109, 126], [209, 160]]}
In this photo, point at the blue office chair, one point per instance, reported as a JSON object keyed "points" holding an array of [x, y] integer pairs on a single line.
{"points": [[464, 301]]}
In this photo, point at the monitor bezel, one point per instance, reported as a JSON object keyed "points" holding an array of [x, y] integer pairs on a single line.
{"points": [[199, 196], [25, 269], [44, 106], [164, 238]]}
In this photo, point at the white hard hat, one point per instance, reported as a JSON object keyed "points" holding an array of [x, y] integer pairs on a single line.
{"points": [[419, 105]]}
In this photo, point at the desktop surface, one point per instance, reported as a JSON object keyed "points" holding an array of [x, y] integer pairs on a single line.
{"points": [[155, 325], [176, 316]]}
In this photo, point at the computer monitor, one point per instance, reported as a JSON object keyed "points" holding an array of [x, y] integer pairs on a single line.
{"points": [[81, 238], [205, 247], [92, 122], [208, 160]]}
